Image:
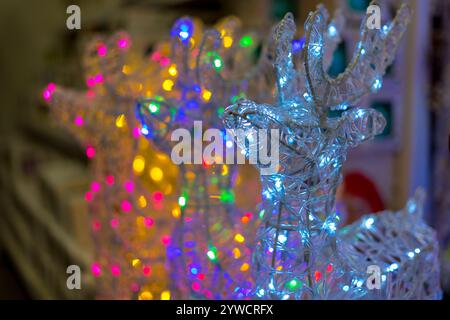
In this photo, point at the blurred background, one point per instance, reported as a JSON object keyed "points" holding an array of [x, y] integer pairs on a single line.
{"points": [[44, 172]]}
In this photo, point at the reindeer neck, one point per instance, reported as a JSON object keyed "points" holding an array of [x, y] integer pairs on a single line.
{"points": [[298, 228]]}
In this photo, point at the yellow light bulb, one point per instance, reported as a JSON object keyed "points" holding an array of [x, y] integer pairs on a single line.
{"points": [[120, 121], [167, 85], [206, 95], [146, 295], [176, 212], [239, 238], [173, 70], [126, 69], [224, 170], [162, 156], [245, 266], [227, 41], [135, 262], [168, 189], [165, 295], [190, 175], [142, 202], [138, 164], [156, 174], [236, 253]]}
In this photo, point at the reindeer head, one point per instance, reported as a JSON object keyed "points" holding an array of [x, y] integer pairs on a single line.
{"points": [[313, 146], [203, 76], [101, 117]]}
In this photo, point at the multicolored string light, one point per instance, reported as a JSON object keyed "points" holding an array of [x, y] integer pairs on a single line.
{"points": [[129, 228]]}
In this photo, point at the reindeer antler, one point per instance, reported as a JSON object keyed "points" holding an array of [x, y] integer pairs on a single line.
{"points": [[291, 79], [374, 53], [227, 61], [105, 57]]}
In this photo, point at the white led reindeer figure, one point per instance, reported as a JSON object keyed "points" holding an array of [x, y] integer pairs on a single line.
{"points": [[300, 252]]}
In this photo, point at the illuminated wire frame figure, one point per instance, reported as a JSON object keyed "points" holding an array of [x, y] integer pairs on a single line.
{"points": [[102, 119], [210, 250], [300, 253]]}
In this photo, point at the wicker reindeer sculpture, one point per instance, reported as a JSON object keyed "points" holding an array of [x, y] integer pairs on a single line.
{"points": [[301, 252]]}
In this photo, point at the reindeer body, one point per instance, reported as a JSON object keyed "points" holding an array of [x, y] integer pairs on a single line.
{"points": [[402, 245]]}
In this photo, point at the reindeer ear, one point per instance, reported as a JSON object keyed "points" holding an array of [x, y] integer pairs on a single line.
{"points": [[360, 124], [374, 53], [182, 34], [244, 119], [287, 79], [210, 62]]}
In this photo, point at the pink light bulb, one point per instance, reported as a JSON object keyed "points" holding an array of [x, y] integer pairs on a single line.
{"points": [[164, 61], [208, 294], [46, 95], [48, 91], [90, 94], [126, 206], [90, 82], [95, 186], [158, 196], [88, 196], [129, 186], [115, 270], [136, 132], [98, 78], [165, 240], [90, 152], [148, 222], [147, 270], [51, 87], [196, 286], [110, 180], [96, 225], [96, 269], [114, 223], [78, 121], [156, 56], [122, 43], [102, 50]]}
